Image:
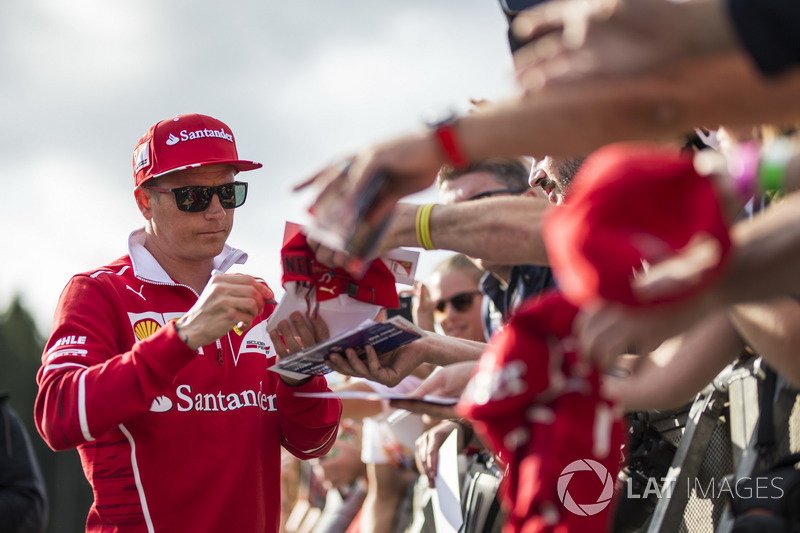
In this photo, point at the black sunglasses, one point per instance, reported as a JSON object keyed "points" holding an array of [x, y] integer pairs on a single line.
{"points": [[487, 194], [197, 198], [461, 302]]}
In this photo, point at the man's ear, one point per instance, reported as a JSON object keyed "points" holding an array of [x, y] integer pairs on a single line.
{"points": [[143, 201]]}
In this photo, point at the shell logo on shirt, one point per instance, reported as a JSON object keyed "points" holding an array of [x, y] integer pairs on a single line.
{"points": [[255, 340], [145, 328], [145, 324]]}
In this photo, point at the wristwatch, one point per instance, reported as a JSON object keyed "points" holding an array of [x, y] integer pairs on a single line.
{"points": [[444, 131]]}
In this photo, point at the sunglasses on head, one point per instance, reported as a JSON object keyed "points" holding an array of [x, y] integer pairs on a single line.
{"points": [[461, 302], [196, 198], [495, 192]]}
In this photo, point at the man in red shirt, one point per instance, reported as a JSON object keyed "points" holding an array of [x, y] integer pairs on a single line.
{"points": [[156, 367]]}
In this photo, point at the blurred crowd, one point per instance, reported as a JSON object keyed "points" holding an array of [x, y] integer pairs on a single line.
{"points": [[622, 230]]}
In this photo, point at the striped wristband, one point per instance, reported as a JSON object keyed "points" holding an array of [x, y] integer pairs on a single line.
{"points": [[422, 225]]}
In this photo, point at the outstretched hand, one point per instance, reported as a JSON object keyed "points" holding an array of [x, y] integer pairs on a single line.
{"points": [[426, 453], [680, 272], [389, 368], [574, 40], [299, 332], [447, 381], [609, 330], [411, 163]]}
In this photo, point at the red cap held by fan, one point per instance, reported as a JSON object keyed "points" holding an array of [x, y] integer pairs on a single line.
{"points": [[629, 205]]}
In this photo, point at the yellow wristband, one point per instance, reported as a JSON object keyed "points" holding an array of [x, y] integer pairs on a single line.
{"points": [[423, 226]]}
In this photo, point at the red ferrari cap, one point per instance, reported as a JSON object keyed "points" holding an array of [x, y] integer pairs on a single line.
{"points": [[182, 142], [630, 204]]}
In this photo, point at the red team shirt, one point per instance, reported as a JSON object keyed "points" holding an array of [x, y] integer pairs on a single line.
{"points": [[171, 440]]}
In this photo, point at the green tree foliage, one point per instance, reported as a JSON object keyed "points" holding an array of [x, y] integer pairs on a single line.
{"points": [[21, 348]]}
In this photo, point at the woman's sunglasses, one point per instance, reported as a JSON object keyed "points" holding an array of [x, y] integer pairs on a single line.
{"points": [[461, 302], [197, 198]]}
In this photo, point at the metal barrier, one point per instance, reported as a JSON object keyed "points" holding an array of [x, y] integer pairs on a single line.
{"points": [[718, 445]]}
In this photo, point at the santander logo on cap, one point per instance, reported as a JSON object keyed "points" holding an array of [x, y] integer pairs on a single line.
{"points": [[185, 135], [183, 142]]}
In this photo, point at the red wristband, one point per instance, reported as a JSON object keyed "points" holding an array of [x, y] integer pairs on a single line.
{"points": [[447, 137]]}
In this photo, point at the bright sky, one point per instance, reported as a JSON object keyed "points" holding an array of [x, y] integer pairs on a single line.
{"points": [[300, 84]]}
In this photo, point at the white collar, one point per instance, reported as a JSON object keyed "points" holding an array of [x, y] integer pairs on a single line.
{"points": [[146, 267]]}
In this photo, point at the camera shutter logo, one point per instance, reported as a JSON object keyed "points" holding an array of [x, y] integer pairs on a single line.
{"points": [[585, 509]]}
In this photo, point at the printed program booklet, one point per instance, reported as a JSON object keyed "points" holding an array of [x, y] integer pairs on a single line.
{"points": [[383, 336]]}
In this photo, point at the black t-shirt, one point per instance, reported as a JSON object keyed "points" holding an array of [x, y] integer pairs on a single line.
{"points": [[525, 281], [23, 503]]}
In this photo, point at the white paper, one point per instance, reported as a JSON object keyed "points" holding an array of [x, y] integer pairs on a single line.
{"points": [[340, 313], [447, 495], [403, 264], [367, 395]]}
